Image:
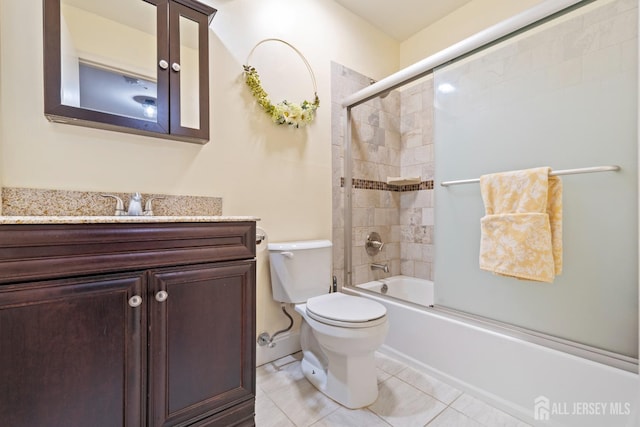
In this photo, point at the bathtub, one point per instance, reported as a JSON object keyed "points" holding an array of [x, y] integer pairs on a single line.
{"points": [[405, 288], [509, 372]]}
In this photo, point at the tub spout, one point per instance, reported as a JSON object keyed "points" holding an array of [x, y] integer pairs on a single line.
{"points": [[383, 267]]}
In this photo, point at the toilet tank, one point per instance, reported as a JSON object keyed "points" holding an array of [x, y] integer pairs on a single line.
{"points": [[300, 270]]}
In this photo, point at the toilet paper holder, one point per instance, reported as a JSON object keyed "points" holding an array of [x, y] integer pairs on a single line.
{"points": [[261, 236]]}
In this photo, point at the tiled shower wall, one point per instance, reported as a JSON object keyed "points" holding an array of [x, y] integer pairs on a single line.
{"points": [[391, 137], [376, 145], [417, 159]]}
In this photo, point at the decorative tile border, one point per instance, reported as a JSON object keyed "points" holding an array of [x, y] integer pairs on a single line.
{"points": [[42, 202], [366, 184]]}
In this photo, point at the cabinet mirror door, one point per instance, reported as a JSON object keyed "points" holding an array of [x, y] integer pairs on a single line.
{"points": [[189, 81], [138, 66], [101, 63]]}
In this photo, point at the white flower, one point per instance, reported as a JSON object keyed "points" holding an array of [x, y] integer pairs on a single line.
{"points": [[284, 112]]}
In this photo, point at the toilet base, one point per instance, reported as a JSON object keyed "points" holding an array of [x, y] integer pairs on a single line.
{"points": [[349, 380], [316, 376], [340, 361]]}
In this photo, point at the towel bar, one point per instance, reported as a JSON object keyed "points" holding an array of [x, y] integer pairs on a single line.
{"points": [[554, 173]]}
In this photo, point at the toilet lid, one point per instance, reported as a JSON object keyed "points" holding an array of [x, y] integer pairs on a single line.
{"points": [[345, 308]]}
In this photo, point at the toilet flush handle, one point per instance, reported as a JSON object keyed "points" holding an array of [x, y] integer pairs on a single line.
{"points": [[287, 254]]}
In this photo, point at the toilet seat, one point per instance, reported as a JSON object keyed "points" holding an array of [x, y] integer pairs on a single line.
{"points": [[338, 309]]}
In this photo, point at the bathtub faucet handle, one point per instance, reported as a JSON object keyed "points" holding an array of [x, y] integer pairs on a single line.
{"points": [[376, 244], [373, 244]]}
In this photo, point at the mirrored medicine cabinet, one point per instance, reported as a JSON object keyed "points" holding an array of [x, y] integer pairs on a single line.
{"points": [[136, 66]]}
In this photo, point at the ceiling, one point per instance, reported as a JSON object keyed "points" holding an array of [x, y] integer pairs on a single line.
{"points": [[401, 19]]}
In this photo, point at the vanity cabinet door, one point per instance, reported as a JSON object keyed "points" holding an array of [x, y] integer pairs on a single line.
{"points": [[71, 352], [201, 345]]}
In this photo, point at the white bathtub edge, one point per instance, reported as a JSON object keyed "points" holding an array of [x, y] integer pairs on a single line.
{"points": [[506, 372]]}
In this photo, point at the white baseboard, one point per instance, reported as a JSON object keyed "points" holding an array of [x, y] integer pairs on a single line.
{"points": [[285, 344]]}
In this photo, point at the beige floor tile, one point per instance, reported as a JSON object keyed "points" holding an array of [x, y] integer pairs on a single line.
{"points": [[381, 375], [388, 365], [284, 398], [402, 405], [268, 414], [275, 375], [344, 417], [430, 385], [485, 414], [452, 418], [302, 403]]}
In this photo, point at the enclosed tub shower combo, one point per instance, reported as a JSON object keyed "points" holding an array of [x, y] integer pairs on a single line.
{"points": [[556, 87]]}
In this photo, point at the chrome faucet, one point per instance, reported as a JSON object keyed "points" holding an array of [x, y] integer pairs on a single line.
{"points": [[383, 267], [135, 205]]}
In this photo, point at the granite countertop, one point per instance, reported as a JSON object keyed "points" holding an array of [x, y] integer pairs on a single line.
{"points": [[119, 219]]}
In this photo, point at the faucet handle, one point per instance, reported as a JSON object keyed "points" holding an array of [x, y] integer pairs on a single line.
{"points": [[374, 244], [148, 207], [119, 204]]}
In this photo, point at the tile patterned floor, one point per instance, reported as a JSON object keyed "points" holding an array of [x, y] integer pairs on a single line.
{"points": [[407, 397]]}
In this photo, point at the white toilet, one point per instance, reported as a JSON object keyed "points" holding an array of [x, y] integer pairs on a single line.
{"points": [[339, 333]]}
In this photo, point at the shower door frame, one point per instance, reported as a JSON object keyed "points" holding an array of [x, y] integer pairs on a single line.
{"points": [[493, 34], [505, 29]]}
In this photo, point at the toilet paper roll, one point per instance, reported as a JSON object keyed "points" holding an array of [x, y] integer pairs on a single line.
{"points": [[261, 239]]}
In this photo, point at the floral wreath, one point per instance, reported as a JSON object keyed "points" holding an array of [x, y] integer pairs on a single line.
{"points": [[285, 112]]}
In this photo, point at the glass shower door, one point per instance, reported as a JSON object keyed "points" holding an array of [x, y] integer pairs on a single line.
{"points": [[561, 94]]}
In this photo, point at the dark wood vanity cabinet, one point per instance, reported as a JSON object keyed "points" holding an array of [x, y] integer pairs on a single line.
{"points": [[127, 324]]}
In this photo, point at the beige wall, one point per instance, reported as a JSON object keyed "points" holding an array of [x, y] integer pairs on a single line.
{"points": [[464, 22], [1, 121], [278, 174]]}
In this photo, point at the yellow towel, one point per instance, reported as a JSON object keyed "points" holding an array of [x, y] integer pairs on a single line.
{"points": [[521, 233]]}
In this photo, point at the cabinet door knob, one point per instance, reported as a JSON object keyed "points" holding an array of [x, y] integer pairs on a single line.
{"points": [[175, 66], [163, 64], [135, 301], [162, 296]]}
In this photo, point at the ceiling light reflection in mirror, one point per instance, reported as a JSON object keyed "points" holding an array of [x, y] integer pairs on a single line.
{"points": [[109, 57]]}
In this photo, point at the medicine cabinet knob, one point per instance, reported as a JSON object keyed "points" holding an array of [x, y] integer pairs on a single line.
{"points": [[135, 301], [162, 296], [163, 64], [175, 66]]}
